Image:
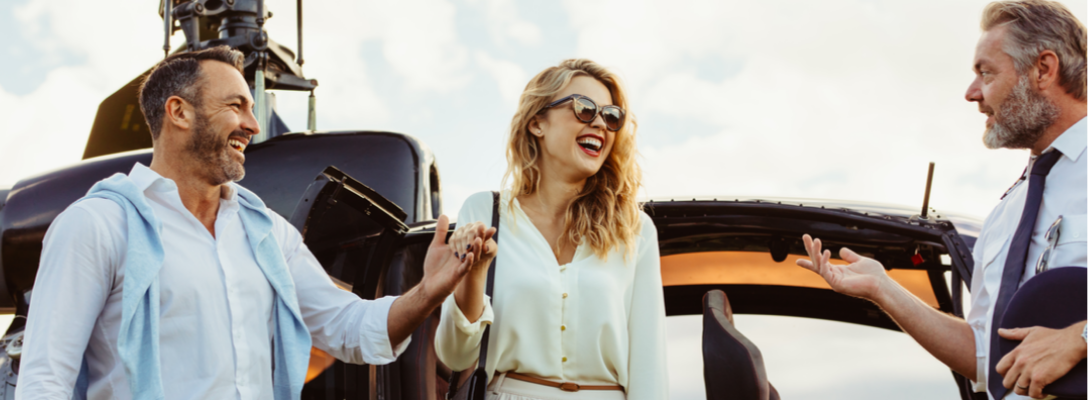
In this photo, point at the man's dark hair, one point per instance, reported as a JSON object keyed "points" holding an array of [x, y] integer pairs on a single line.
{"points": [[178, 75]]}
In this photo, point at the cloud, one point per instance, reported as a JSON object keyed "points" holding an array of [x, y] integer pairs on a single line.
{"points": [[845, 99], [417, 38], [771, 144], [42, 133], [112, 52], [48, 127], [509, 76], [417, 42], [423, 46], [504, 23]]}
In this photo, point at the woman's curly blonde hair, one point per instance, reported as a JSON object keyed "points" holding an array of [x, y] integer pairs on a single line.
{"points": [[605, 213]]}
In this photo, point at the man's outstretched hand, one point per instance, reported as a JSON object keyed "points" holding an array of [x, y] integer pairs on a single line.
{"points": [[443, 268], [442, 271], [863, 277], [946, 337]]}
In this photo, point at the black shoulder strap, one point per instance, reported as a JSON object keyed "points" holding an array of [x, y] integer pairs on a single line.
{"points": [[475, 387], [482, 363]]}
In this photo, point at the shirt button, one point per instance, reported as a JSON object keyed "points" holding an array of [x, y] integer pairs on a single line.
{"points": [[564, 295], [564, 359], [562, 327]]}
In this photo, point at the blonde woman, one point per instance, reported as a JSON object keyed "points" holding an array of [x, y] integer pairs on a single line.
{"points": [[577, 295]]}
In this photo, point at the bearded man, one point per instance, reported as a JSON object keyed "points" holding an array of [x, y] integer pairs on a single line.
{"points": [[1030, 81], [174, 282]]}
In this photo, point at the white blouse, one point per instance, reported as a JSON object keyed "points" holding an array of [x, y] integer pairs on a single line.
{"points": [[591, 322]]}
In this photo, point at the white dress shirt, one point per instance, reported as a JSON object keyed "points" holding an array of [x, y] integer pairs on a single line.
{"points": [[1065, 195], [593, 321], [216, 305]]}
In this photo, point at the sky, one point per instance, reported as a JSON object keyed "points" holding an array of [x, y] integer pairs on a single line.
{"points": [[838, 99]]}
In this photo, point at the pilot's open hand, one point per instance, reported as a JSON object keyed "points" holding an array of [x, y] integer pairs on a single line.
{"points": [[442, 270], [1043, 356], [861, 278], [478, 240]]}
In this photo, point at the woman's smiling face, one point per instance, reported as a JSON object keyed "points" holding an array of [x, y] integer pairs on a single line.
{"points": [[573, 149]]}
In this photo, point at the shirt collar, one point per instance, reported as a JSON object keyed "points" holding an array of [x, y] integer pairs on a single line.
{"points": [[145, 178], [1073, 141]]}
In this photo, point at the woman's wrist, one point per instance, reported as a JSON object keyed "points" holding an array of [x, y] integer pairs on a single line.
{"points": [[479, 274], [469, 296]]}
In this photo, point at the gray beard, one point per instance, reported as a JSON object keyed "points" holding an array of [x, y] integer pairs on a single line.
{"points": [[1021, 119], [213, 156]]}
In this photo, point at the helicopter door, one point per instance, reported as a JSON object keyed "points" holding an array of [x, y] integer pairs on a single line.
{"points": [[352, 231]]}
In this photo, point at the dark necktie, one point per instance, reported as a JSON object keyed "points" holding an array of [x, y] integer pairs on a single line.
{"points": [[1015, 261]]}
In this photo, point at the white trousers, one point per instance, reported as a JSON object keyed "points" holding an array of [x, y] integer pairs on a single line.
{"points": [[502, 388]]}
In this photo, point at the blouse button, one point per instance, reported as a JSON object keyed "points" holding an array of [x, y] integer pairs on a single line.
{"points": [[562, 327], [564, 359], [564, 295]]}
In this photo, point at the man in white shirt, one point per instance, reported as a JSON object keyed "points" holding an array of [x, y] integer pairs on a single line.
{"points": [[219, 318], [1030, 81]]}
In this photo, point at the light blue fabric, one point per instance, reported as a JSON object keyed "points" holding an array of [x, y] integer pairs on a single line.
{"points": [[138, 341]]}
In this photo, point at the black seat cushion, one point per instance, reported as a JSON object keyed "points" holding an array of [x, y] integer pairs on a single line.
{"points": [[732, 364]]}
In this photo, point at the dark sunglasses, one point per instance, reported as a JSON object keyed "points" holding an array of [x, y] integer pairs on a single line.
{"points": [[586, 111]]}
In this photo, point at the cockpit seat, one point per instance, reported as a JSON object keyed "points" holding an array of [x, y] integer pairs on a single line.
{"points": [[732, 364]]}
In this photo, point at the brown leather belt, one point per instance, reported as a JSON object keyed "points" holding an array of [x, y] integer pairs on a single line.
{"points": [[564, 386]]}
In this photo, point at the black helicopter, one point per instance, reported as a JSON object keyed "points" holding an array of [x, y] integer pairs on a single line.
{"points": [[366, 204]]}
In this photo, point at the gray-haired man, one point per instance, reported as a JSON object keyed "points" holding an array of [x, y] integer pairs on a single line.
{"points": [[1030, 81]]}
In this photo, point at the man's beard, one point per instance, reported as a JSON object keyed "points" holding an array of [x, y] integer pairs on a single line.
{"points": [[213, 155], [1024, 116]]}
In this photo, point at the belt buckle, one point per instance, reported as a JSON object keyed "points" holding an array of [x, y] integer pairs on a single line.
{"points": [[569, 387]]}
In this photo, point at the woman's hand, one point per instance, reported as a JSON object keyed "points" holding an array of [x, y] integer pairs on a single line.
{"points": [[442, 273], [477, 241]]}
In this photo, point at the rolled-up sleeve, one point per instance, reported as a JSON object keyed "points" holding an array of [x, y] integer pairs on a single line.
{"points": [[74, 280], [981, 366], [977, 318], [347, 327], [646, 326]]}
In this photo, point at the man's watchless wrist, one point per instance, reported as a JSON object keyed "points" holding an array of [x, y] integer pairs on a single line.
{"points": [[883, 292], [428, 296]]}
